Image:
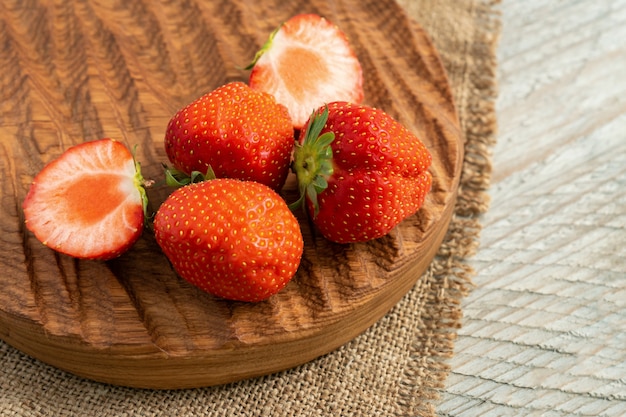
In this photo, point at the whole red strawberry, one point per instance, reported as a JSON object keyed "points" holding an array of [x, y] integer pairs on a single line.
{"points": [[307, 62], [88, 203], [234, 239], [360, 171], [238, 132]]}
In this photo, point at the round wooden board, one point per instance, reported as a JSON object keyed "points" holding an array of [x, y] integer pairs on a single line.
{"points": [[85, 70]]}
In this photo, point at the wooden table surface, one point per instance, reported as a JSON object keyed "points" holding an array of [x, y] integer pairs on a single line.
{"points": [[545, 329]]}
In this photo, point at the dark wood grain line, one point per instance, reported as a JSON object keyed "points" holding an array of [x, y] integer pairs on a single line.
{"points": [[16, 294], [54, 74], [177, 317], [77, 119], [192, 46], [147, 48], [116, 88], [19, 159], [13, 80], [241, 34]]}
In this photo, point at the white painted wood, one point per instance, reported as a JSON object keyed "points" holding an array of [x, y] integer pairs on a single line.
{"points": [[544, 331]]}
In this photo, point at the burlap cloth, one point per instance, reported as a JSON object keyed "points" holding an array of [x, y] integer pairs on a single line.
{"points": [[395, 368]]}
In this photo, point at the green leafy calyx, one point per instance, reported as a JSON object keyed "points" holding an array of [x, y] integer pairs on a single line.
{"points": [[176, 178], [313, 160]]}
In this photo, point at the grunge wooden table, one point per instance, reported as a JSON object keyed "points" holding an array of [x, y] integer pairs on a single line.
{"points": [[545, 329]]}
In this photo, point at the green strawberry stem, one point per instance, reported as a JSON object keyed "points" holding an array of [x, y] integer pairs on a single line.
{"points": [[266, 46], [313, 161], [141, 184]]}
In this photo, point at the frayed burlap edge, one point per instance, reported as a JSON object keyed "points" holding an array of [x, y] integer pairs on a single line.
{"points": [[450, 277]]}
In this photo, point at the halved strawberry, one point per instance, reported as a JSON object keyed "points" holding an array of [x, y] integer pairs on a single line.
{"points": [[89, 203], [307, 62]]}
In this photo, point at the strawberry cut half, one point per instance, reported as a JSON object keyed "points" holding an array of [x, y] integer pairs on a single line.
{"points": [[89, 203], [306, 63]]}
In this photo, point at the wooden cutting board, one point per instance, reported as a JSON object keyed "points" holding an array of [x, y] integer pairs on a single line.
{"points": [[81, 70]]}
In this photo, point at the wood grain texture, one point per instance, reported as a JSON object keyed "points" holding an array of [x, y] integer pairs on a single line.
{"points": [[82, 70], [544, 332]]}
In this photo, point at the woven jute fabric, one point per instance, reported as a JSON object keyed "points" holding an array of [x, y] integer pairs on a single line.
{"points": [[398, 366]]}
